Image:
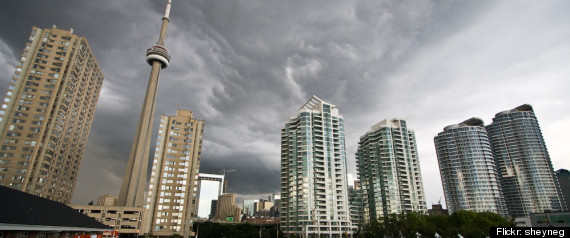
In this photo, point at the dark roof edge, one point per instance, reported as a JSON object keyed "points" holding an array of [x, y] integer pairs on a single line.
{"points": [[521, 108], [474, 121], [24, 227]]}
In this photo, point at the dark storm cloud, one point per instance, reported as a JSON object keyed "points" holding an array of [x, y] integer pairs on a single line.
{"points": [[116, 33], [246, 66]]}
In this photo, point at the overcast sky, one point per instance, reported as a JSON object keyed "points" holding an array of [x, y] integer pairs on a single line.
{"points": [[246, 66]]}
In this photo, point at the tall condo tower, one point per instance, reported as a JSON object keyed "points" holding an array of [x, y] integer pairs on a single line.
{"points": [[314, 197], [47, 114], [526, 172], [389, 170], [134, 182], [172, 193], [468, 172]]}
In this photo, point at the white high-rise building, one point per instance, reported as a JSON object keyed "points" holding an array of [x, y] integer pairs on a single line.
{"points": [[209, 188], [314, 190], [389, 170]]}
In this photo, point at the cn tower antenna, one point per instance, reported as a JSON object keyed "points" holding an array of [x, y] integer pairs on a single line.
{"points": [[167, 11]]}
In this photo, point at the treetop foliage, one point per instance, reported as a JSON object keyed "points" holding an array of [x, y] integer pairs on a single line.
{"points": [[412, 225]]}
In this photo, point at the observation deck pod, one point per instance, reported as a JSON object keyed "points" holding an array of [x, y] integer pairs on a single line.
{"points": [[158, 53]]}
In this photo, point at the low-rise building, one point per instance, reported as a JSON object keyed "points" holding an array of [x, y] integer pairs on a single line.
{"points": [[107, 200], [122, 220], [437, 209], [227, 209], [26, 215], [550, 219]]}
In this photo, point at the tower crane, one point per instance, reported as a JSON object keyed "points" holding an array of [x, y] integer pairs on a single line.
{"points": [[224, 171]]}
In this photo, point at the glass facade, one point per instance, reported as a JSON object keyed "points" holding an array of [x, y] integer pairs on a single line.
{"points": [[314, 197], [356, 199], [389, 170], [249, 207], [524, 166], [563, 177], [209, 188], [468, 172]]}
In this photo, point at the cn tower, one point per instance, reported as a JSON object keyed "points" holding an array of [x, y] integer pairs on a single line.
{"points": [[134, 182]]}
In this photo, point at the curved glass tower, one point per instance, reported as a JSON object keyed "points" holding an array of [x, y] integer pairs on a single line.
{"points": [[523, 162], [468, 172]]}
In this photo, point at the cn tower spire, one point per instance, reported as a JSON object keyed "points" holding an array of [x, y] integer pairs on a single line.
{"points": [[134, 182], [165, 20]]}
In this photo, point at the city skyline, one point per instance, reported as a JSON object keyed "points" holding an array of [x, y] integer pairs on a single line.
{"points": [[244, 68]]}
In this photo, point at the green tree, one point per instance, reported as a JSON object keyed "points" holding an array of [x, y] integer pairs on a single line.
{"points": [[467, 223]]}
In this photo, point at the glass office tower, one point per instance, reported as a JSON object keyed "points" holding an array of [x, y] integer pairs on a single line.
{"points": [[209, 188]]}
